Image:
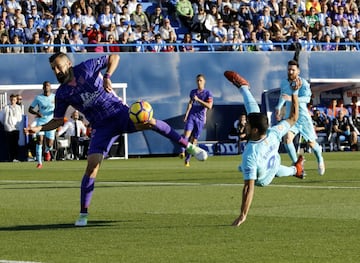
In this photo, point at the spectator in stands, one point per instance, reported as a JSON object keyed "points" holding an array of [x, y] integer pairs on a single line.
{"points": [[106, 18], [12, 119], [187, 44], [312, 4], [198, 24], [354, 16], [97, 44], [75, 129], [58, 26], [218, 35], [77, 44], [316, 29], [253, 42], [350, 42], [62, 42], [29, 30], [322, 124], [123, 26], [332, 110], [235, 27], [19, 48], [185, 13], [266, 18], [3, 30], [342, 126], [295, 41], [266, 44], [80, 4], [278, 40], [228, 15], [330, 29], [64, 16], [309, 44], [112, 31], [132, 5], [289, 27], [144, 43], [19, 17], [166, 29], [124, 39], [89, 19], [125, 14], [112, 41], [159, 44], [171, 43], [48, 43], [236, 42], [18, 30], [140, 18], [283, 14], [257, 7], [156, 19], [311, 18], [295, 15], [12, 5], [244, 15], [119, 4], [340, 15], [5, 19], [92, 34], [328, 44], [77, 17]]}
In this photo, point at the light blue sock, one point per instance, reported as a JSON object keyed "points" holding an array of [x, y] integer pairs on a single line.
{"points": [[290, 148], [39, 153], [249, 101], [318, 153], [286, 171]]}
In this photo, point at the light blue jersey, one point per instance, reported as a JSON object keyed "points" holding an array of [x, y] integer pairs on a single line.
{"points": [[261, 159], [46, 106], [304, 125]]}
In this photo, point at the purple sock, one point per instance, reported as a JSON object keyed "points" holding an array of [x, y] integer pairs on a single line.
{"points": [[87, 189], [164, 129]]}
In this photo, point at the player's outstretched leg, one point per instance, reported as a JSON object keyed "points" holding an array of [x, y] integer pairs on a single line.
{"points": [[167, 131], [243, 85]]}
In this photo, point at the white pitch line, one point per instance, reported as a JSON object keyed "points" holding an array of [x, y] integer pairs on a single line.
{"points": [[181, 184], [15, 261]]}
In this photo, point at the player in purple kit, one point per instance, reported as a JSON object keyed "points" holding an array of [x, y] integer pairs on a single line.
{"points": [[195, 117], [85, 88]]}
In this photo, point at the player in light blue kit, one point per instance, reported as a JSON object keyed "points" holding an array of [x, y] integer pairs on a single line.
{"points": [[45, 104], [261, 159], [86, 89], [200, 101], [304, 125]]}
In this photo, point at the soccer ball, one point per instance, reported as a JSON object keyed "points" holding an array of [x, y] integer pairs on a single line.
{"points": [[140, 111]]}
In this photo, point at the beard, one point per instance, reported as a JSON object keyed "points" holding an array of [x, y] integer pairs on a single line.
{"points": [[65, 77]]}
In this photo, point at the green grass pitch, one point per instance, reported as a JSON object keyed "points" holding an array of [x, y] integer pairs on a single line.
{"points": [[157, 210]]}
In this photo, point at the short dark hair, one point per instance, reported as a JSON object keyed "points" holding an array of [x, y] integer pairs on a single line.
{"points": [[293, 62], [54, 56], [258, 120]]}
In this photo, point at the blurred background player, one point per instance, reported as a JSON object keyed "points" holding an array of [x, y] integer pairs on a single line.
{"points": [[108, 115], [45, 104], [304, 125], [200, 101], [261, 160]]}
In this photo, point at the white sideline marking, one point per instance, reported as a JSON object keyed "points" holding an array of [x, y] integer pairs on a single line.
{"points": [[182, 184], [15, 261]]}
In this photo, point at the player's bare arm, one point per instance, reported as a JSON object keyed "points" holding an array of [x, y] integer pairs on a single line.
{"points": [[294, 114], [51, 125], [247, 197], [36, 113], [112, 65]]}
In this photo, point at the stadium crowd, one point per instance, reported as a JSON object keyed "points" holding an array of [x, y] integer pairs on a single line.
{"points": [[178, 25]]}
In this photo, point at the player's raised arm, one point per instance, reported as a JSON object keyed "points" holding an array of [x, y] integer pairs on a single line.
{"points": [[294, 114], [111, 67]]}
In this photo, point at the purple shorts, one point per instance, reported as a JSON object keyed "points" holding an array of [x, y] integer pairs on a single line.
{"points": [[106, 132], [195, 125]]}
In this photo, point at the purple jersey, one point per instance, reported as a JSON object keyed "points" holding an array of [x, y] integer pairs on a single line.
{"points": [[197, 110], [88, 96]]}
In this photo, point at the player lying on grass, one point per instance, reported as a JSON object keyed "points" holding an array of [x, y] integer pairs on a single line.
{"points": [[85, 88], [261, 160]]}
